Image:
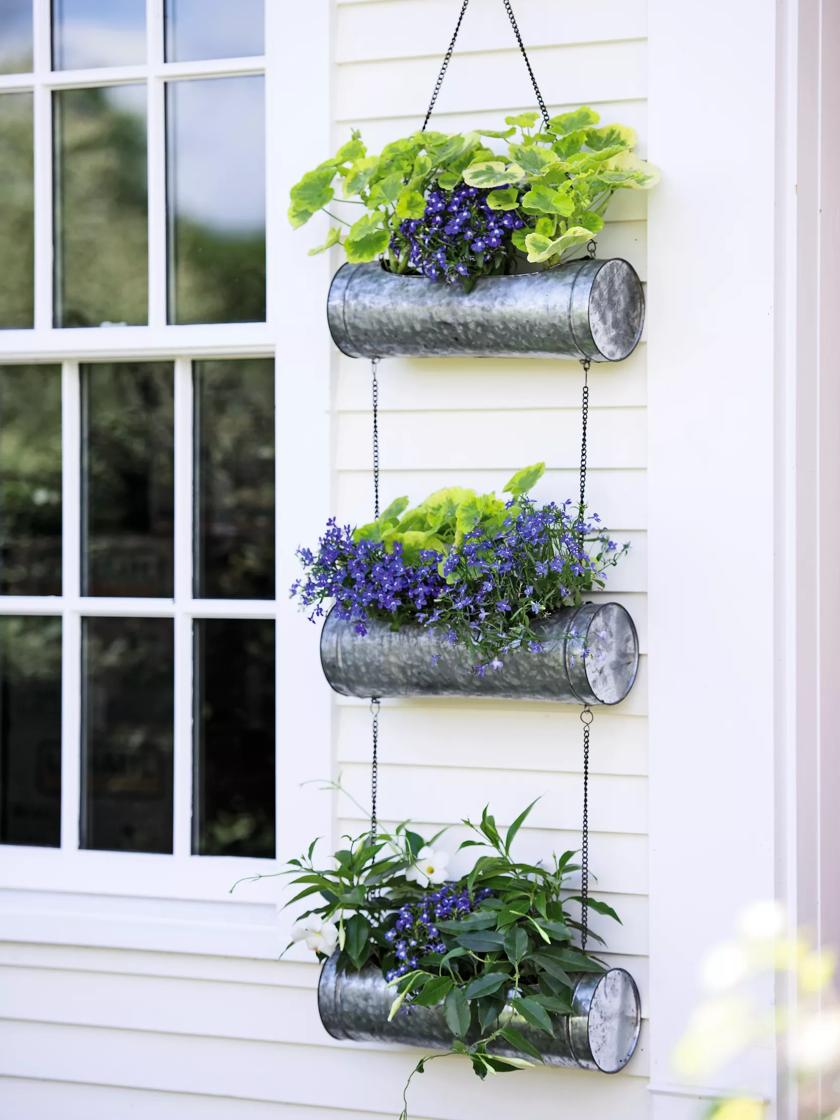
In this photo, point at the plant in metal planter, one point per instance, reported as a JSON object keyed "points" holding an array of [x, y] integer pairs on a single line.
{"points": [[471, 595], [488, 965], [470, 210]]}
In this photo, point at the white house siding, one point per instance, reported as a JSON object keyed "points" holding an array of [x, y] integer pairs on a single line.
{"points": [[186, 1018]]}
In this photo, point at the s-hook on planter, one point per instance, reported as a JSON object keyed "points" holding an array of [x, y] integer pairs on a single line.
{"points": [[590, 656], [584, 309], [601, 1033]]}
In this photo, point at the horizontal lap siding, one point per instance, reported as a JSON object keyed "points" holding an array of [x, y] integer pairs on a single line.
{"points": [[90, 1034]]}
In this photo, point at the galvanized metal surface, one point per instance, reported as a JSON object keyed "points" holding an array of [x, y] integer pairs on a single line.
{"points": [[601, 1034], [582, 309], [590, 656]]}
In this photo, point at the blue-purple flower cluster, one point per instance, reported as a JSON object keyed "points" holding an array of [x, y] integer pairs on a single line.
{"points": [[415, 933], [487, 593], [458, 238]]}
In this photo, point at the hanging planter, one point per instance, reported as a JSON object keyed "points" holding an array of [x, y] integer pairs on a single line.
{"points": [[585, 309], [601, 1032], [470, 595], [589, 655]]}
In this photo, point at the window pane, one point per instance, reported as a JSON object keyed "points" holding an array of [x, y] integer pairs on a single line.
{"points": [[213, 29], [101, 229], [30, 480], [127, 734], [216, 200], [234, 506], [98, 33], [127, 479], [15, 36], [30, 731], [17, 215], [234, 729]]}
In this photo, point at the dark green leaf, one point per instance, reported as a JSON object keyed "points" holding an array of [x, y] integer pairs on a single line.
{"points": [[520, 1042], [468, 923], [486, 985], [485, 942], [554, 1003], [601, 908], [516, 943], [553, 968], [521, 483], [534, 1014], [456, 1011], [434, 991]]}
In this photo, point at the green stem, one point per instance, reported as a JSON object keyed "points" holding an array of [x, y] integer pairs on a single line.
{"points": [[335, 217]]}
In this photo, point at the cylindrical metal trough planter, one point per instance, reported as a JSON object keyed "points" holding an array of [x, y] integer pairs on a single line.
{"points": [[586, 308], [601, 1033], [590, 655]]}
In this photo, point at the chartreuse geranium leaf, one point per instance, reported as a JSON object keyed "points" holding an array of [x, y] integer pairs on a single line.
{"points": [[591, 221], [611, 136], [366, 239], [492, 173], [359, 174], [353, 149], [583, 117], [333, 238], [507, 199], [310, 195], [570, 144], [448, 180], [410, 204], [523, 120], [542, 248], [532, 158], [456, 1011], [523, 481], [497, 134], [541, 199], [532, 1013], [385, 192]]}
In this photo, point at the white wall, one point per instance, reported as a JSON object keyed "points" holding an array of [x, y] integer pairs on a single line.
{"points": [[212, 1031]]}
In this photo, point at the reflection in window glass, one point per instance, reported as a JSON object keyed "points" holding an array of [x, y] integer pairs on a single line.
{"points": [[127, 734], [234, 729], [30, 731], [101, 228], [213, 29], [17, 209], [30, 480], [15, 36], [127, 479], [216, 200], [98, 33], [234, 507]]}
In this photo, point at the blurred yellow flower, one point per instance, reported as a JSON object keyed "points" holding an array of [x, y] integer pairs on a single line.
{"points": [[739, 1108]]}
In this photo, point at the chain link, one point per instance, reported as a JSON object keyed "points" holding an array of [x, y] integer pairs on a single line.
{"points": [[447, 57], [591, 248], [586, 718], [584, 420], [374, 764], [445, 63], [374, 700]]}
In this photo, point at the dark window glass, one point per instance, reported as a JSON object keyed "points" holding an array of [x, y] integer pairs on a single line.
{"points": [[127, 479], [127, 734], [216, 200], [213, 29], [30, 731], [30, 480], [15, 36], [17, 214], [98, 33], [101, 227], [234, 433], [234, 730]]}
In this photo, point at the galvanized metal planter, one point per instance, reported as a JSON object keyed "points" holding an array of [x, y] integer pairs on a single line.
{"points": [[590, 656], [586, 308], [601, 1033]]}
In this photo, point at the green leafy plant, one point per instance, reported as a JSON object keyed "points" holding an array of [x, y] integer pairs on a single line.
{"points": [[452, 207], [493, 948]]}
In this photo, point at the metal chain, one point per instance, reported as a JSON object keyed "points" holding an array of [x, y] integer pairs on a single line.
{"points": [[591, 248], [586, 718], [451, 48], [537, 94], [374, 764], [445, 63], [374, 700]]}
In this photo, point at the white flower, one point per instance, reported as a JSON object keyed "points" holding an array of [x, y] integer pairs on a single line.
{"points": [[319, 935], [430, 867]]}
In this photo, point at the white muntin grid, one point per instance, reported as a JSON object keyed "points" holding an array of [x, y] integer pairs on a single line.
{"points": [[295, 336]]}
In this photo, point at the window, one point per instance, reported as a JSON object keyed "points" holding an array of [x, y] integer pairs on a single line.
{"points": [[141, 364]]}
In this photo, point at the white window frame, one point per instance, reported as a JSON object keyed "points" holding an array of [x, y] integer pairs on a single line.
{"points": [[36, 883]]}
